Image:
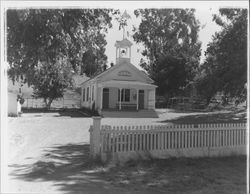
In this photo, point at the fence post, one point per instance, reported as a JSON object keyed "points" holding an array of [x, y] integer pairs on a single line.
{"points": [[96, 137]]}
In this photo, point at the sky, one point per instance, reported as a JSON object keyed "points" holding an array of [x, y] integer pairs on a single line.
{"points": [[208, 28], [204, 13]]}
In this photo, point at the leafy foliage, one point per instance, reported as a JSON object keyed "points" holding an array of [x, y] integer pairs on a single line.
{"points": [[207, 87], [45, 44], [226, 56], [169, 32], [51, 80], [169, 73], [20, 99], [94, 61]]}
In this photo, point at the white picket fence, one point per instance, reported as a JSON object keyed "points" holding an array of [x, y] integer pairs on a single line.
{"points": [[58, 103], [162, 141]]}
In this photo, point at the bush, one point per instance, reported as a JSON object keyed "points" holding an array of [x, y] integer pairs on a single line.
{"points": [[12, 115], [90, 112], [161, 102]]}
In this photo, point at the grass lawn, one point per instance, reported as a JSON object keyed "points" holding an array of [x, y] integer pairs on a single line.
{"points": [[49, 153]]}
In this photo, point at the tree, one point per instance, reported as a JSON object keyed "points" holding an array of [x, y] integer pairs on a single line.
{"points": [[170, 75], [44, 45], [207, 86], [51, 80], [226, 55], [164, 33], [93, 61]]}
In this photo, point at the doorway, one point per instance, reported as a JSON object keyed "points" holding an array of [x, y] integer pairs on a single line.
{"points": [[141, 99], [105, 98]]}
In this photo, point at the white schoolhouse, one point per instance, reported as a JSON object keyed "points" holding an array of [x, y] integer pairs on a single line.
{"points": [[120, 87]]}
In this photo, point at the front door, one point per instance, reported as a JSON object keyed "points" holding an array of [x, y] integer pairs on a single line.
{"points": [[105, 98], [141, 99]]}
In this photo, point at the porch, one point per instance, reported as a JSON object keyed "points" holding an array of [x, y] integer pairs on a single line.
{"points": [[125, 96]]}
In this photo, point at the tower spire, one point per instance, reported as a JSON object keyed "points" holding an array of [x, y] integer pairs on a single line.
{"points": [[123, 22]]}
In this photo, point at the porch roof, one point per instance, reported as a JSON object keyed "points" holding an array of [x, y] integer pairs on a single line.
{"points": [[127, 84]]}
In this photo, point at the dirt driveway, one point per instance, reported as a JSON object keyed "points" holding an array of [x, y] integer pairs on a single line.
{"points": [[49, 153]]}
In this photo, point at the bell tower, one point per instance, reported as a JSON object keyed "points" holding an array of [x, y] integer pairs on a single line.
{"points": [[123, 51], [123, 47]]}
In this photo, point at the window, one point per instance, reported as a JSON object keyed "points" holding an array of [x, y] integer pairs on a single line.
{"points": [[83, 94], [87, 93], [92, 93], [125, 95]]}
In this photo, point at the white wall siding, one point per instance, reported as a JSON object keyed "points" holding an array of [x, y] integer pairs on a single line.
{"points": [[14, 107], [86, 103], [151, 99], [113, 97]]}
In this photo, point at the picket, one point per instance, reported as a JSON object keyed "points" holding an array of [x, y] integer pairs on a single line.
{"points": [[124, 139]]}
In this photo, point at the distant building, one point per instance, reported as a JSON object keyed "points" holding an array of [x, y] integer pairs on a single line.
{"points": [[71, 98], [121, 87], [14, 106]]}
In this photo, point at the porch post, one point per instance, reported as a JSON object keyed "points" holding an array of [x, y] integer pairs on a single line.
{"points": [[101, 98], [120, 100], [137, 99]]}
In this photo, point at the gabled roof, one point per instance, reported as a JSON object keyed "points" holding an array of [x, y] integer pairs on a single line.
{"points": [[124, 83], [98, 75], [124, 42], [142, 73]]}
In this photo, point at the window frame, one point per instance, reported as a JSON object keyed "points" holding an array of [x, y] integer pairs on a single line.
{"points": [[125, 95], [92, 93], [87, 94], [83, 95]]}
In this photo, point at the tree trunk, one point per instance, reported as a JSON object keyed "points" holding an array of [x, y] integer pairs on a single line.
{"points": [[45, 102], [208, 100], [48, 103]]}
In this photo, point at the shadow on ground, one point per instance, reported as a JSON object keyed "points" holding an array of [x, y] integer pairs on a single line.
{"points": [[231, 117], [171, 110], [73, 112], [70, 168]]}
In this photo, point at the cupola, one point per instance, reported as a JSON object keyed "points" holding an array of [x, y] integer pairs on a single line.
{"points": [[123, 50], [123, 47]]}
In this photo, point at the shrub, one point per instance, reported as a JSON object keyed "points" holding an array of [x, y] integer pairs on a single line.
{"points": [[90, 112], [12, 115]]}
